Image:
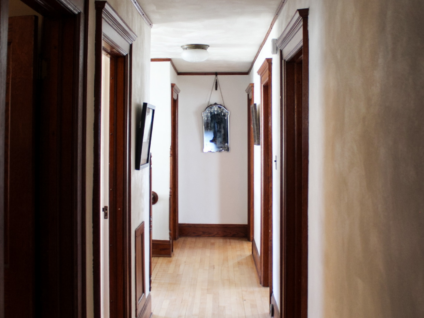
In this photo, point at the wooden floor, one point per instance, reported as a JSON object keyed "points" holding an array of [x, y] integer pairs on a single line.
{"points": [[208, 277]]}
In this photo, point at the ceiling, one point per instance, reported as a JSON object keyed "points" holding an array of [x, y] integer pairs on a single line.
{"points": [[234, 29]]}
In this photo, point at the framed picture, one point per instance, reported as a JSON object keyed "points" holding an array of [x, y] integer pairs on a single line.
{"points": [[256, 124], [216, 128], [143, 136]]}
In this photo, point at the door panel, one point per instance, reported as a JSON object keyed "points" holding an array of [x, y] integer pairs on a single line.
{"points": [[19, 168]]}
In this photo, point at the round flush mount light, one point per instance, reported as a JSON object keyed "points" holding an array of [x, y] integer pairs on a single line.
{"points": [[195, 52]]}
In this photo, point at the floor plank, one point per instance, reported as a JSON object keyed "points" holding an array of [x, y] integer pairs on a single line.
{"points": [[208, 277]]}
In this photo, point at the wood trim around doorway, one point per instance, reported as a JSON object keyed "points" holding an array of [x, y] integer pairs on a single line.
{"points": [[250, 163], [265, 73], [173, 191], [294, 124], [107, 39]]}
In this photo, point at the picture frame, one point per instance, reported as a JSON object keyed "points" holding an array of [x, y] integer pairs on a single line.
{"points": [[143, 138], [256, 123]]}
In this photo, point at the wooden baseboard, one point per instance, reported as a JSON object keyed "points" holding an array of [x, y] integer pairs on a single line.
{"points": [[255, 255], [161, 248], [213, 230], [276, 310], [146, 311]]}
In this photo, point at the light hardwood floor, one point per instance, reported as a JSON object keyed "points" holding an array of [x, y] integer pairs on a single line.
{"points": [[208, 277]]}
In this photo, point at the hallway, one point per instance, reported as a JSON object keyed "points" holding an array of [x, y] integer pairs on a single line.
{"points": [[208, 277]]}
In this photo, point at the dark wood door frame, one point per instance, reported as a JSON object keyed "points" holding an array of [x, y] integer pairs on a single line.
{"points": [[61, 136], [173, 193], [265, 73], [114, 37], [4, 28], [250, 164], [294, 120]]}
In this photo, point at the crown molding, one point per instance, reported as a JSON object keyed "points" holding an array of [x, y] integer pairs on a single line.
{"points": [[166, 60], [196, 73], [142, 13], [112, 18], [277, 14]]}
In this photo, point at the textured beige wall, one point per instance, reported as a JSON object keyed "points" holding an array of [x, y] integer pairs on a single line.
{"points": [[372, 96], [366, 191], [140, 94]]}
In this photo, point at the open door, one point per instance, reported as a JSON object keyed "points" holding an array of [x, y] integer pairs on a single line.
{"points": [[19, 236]]}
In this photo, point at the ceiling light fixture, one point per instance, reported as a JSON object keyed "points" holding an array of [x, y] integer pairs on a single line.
{"points": [[195, 52]]}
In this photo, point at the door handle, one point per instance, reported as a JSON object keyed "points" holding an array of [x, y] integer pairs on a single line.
{"points": [[106, 212]]}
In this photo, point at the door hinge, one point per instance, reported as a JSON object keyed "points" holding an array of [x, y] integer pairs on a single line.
{"points": [[106, 212]]}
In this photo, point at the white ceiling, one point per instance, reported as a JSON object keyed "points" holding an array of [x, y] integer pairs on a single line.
{"points": [[234, 29]]}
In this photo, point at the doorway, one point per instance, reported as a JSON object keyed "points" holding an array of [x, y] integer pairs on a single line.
{"points": [[43, 225], [112, 165], [294, 56], [265, 73]]}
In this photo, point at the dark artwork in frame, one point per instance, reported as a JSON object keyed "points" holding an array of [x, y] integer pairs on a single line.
{"points": [[143, 138], [256, 124]]}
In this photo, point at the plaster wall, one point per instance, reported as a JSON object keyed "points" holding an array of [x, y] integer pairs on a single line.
{"points": [[365, 163], [212, 186], [140, 94], [265, 53], [160, 85]]}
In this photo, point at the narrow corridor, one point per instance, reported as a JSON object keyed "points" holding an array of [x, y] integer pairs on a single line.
{"points": [[208, 277]]}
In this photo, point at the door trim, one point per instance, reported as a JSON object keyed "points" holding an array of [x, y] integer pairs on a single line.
{"points": [[116, 39], [173, 193], [265, 73], [250, 164], [293, 44]]}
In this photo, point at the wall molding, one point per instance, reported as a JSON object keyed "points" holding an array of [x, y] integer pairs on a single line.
{"points": [[250, 162], [277, 14], [195, 73], [291, 40], [142, 13], [213, 230], [265, 73], [275, 307], [161, 248], [255, 255], [166, 60], [146, 311]]}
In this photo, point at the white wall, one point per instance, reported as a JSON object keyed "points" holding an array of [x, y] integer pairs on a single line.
{"points": [[160, 92], [212, 186], [255, 78], [365, 162], [140, 179]]}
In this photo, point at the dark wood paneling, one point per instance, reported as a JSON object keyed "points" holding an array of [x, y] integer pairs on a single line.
{"points": [[173, 191], [294, 167], [19, 179], [213, 230], [4, 22], [146, 311], [250, 162], [275, 307], [265, 72], [140, 272], [114, 36], [256, 260], [162, 248], [61, 159]]}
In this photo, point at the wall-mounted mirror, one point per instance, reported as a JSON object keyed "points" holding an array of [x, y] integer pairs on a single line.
{"points": [[216, 128]]}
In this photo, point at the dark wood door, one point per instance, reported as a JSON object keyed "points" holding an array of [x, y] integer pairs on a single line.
{"points": [[19, 168]]}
